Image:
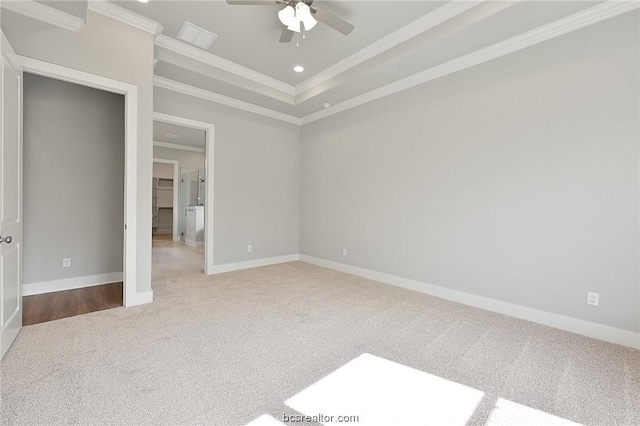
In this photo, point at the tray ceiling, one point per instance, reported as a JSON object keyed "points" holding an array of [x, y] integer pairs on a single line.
{"points": [[395, 45]]}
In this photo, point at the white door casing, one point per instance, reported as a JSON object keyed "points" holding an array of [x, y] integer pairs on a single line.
{"points": [[209, 161], [10, 196], [34, 66]]}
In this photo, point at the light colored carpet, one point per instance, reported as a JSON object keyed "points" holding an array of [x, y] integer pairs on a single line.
{"points": [[230, 348]]}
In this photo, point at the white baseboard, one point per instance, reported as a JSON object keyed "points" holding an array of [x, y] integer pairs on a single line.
{"points": [[194, 243], [574, 325], [218, 269], [139, 299], [70, 283]]}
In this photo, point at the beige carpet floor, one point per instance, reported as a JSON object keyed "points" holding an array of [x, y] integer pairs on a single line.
{"points": [[230, 348]]}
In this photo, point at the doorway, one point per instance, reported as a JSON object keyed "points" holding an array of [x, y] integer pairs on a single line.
{"points": [[129, 295], [183, 153], [165, 199], [73, 198]]}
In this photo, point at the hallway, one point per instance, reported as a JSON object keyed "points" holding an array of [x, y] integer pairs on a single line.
{"points": [[174, 259]]}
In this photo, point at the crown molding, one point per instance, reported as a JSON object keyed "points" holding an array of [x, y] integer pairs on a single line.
{"points": [[186, 89], [210, 59], [44, 13], [177, 146], [444, 13], [121, 14], [590, 16], [436, 17]]}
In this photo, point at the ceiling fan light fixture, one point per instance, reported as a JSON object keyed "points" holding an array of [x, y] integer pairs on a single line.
{"points": [[309, 23], [294, 25], [303, 13], [287, 15]]}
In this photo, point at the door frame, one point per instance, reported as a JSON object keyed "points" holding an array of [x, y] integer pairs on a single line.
{"points": [[130, 92], [209, 151], [176, 190]]}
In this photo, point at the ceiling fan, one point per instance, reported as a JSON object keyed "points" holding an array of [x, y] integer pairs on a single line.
{"points": [[299, 16]]}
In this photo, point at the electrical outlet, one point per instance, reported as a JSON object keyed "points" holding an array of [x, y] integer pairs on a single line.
{"points": [[66, 262], [249, 248], [593, 299], [344, 251]]}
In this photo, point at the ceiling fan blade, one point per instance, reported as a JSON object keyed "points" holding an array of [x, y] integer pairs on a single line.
{"points": [[252, 2], [332, 20], [286, 36]]}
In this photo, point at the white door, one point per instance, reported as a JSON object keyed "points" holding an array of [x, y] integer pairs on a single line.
{"points": [[10, 196]]}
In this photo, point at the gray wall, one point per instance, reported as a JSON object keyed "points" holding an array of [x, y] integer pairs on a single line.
{"points": [[186, 159], [515, 180], [115, 50], [73, 180], [162, 170], [257, 178]]}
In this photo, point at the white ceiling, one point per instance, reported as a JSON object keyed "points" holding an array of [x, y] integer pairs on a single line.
{"points": [[186, 135], [248, 35], [395, 44], [76, 8]]}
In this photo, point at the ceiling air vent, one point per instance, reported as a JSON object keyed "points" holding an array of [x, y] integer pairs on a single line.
{"points": [[197, 36]]}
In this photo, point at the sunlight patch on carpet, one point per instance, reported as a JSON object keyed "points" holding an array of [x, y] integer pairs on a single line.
{"points": [[508, 413], [265, 420], [382, 392]]}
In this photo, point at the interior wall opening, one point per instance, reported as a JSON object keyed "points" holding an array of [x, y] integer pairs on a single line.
{"points": [[74, 161], [179, 196]]}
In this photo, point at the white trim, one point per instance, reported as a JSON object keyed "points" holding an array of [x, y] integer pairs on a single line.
{"points": [[130, 93], [10, 325], [10, 54], [209, 165], [141, 298], [70, 283], [237, 266], [193, 243], [121, 14], [590, 16], [442, 14], [210, 59], [177, 146], [44, 13], [176, 193], [574, 325], [176, 86]]}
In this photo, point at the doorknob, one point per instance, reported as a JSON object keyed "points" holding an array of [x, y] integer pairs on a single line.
{"points": [[5, 240]]}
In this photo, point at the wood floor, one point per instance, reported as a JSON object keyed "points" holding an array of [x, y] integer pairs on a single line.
{"points": [[62, 304]]}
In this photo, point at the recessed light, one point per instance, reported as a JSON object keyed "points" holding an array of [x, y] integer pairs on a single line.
{"points": [[298, 68], [143, 1], [171, 136], [326, 105]]}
